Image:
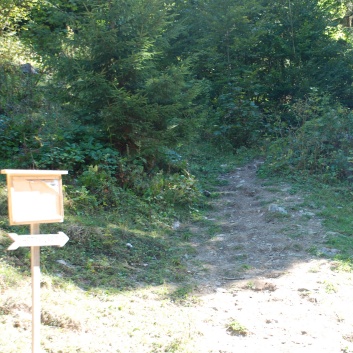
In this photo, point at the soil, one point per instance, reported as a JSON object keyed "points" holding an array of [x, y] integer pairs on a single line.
{"points": [[261, 277]]}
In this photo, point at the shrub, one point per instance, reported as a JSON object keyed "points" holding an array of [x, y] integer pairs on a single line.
{"points": [[321, 145]]}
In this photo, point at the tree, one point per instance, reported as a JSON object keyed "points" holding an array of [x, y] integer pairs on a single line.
{"points": [[262, 55], [108, 68]]}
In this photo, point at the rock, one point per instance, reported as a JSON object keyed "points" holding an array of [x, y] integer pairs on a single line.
{"points": [[240, 185], [306, 213], [221, 290], [277, 209], [64, 263], [176, 225], [333, 234], [28, 69], [206, 193], [328, 251], [220, 236]]}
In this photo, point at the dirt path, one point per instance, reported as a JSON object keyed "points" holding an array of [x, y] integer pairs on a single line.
{"points": [[260, 280]]}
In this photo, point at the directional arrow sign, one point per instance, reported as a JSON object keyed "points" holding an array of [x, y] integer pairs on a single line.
{"points": [[20, 241]]}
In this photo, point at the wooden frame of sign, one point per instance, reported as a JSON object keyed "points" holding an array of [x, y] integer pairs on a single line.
{"points": [[34, 196]]}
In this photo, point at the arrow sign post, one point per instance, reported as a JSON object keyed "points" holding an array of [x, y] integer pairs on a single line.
{"points": [[35, 240], [21, 241], [34, 197]]}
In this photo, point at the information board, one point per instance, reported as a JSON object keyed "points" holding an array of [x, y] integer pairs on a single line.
{"points": [[34, 196]]}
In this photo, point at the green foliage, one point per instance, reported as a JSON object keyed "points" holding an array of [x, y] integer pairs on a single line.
{"points": [[125, 86], [149, 74], [109, 71], [174, 189], [239, 121], [261, 55], [321, 144], [237, 329]]}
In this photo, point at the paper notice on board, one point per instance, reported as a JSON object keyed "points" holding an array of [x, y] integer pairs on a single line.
{"points": [[35, 200]]}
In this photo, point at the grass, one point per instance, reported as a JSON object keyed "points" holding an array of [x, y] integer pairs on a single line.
{"points": [[236, 329], [336, 210], [107, 288], [97, 255], [183, 295], [79, 321], [295, 236], [140, 296], [334, 205], [330, 287]]}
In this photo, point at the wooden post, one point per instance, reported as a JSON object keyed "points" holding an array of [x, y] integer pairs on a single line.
{"points": [[36, 310], [34, 197]]}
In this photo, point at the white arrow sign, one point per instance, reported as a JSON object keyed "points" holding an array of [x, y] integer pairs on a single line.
{"points": [[20, 241]]}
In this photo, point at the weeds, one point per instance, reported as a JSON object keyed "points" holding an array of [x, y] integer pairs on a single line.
{"points": [[318, 145], [330, 287], [236, 329]]}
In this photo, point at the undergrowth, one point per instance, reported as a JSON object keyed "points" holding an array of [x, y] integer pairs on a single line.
{"points": [[313, 150], [120, 239], [318, 142], [333, 203]]}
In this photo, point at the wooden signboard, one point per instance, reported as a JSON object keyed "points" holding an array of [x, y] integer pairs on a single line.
{"points": [[34, 196]]}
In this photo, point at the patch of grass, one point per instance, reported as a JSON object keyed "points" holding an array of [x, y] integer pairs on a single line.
{"points": [[293, 190], [236, 329], [330, 287], [273, 189], [297, 247], [296, 235], [313, 250], [344, 244], [276, 217], [210, 227], [214, 229], [186, 235], [342, 266], [110, 257], [220, 182], [10, 276], [336, 204], [245, 267], [333, 204], [239, 257], [207, 162], [238, 247], [50, 319], [183, 295]]}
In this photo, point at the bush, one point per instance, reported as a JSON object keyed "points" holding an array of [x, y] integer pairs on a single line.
{"points": [[321, 145], [176, 189], [238, 120]]}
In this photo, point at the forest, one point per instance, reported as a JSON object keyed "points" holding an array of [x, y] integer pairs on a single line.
{"points": [[140, 99], [134, 98], [116, 92], [146, 103]]}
